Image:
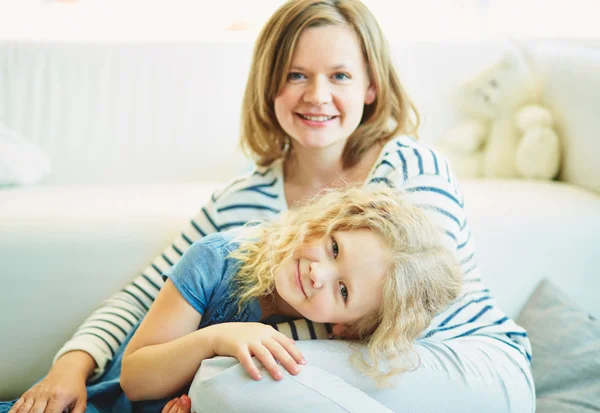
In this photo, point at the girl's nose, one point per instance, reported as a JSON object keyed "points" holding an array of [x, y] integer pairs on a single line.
{"points": [[320, 273]]}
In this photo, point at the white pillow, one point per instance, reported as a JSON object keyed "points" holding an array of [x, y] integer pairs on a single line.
{"points": [[21, 161]]}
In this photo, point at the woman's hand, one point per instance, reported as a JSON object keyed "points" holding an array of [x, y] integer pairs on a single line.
{"points": [[244, 340], [181, 404], [62, 389]]}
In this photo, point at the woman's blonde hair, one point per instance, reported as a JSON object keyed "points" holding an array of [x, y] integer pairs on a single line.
{"points": [[424, 276], [392, 112]]}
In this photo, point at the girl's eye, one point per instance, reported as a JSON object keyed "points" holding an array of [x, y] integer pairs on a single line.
{"points": [[341, 76], [344, 292], [335, 250], [295, 76]]}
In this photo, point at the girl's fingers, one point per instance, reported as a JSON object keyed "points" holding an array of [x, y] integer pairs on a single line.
{"points": [[290, 346], [171, 406], [282, 355], [246, 360], [264, 355], [184, 404], [174, 409]]}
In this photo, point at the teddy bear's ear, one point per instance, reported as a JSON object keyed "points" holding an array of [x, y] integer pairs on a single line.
{"points": [[513, 58], [477, 95], [500, 88]]}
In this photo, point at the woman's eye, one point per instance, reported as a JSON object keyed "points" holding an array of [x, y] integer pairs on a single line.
{"points": [[335, 250], [344, 292], [295, 76], [341, 76]]}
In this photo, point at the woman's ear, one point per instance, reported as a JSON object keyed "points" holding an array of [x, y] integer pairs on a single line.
{"points": [[371, 94], [344, 331]]}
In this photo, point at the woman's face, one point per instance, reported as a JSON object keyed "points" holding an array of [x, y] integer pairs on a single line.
{"points": [[326, 89], [336, 279]]}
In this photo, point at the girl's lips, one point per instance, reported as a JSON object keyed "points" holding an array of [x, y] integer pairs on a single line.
{"points": [[298, 279]]}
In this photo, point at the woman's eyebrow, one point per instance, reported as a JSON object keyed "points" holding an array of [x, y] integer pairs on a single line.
{"points": [[334, 67], [339, 66]]}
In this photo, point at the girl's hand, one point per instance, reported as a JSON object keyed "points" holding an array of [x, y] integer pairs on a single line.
{"points": [[63, 389], [244, 340], [181, 404]]}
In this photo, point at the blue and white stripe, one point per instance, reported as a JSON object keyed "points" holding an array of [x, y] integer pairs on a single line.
{"points": [[405, 163]]}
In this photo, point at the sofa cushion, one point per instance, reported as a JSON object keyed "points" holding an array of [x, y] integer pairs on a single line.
{"points": [[566, 351], [569, 75], [527, 230]]}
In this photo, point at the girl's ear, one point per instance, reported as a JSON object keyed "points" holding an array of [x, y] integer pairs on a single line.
{"points": [[344, 331], [371, 94]]}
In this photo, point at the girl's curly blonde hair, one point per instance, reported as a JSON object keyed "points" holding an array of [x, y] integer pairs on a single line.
{"points": [[424, 276]]}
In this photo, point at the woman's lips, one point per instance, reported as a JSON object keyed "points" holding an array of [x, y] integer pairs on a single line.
{"points": [[298, 279], [314, 123]]}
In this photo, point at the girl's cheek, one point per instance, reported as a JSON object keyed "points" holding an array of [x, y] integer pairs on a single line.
{"points": [[322, 308]]}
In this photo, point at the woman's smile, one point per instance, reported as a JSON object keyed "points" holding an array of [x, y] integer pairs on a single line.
{"points": [[316, 121]]}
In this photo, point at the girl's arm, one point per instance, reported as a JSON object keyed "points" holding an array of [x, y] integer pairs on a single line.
{"points": [[167, 349]]}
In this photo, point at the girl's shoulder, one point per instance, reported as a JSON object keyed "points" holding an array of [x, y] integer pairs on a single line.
{"points": [[216, 245]]}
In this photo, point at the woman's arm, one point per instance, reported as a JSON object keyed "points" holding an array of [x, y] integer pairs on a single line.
{"points": [[64, 386], [167, 349], [101, 334]]}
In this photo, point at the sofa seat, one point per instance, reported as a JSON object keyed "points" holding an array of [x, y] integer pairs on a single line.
{"points": [[65, 249]]}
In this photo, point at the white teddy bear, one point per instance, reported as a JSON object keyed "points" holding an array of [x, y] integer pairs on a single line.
{"points": [[538, 154], [505, 133]]}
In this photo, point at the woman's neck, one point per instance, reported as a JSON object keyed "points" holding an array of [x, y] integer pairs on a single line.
{"points": [[314, 167], [308, 171]]}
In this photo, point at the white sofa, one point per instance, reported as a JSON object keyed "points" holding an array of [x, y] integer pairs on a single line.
{"points": [[140, 134]]}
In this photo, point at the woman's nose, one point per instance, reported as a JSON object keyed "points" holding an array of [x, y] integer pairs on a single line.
{"points": [[318, 92]]}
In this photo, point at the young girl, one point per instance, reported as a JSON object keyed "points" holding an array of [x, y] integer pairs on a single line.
{"points": [[324, 107], [365, 260]]}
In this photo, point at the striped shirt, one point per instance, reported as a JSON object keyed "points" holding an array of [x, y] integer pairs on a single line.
{"points": [[404, 163]]}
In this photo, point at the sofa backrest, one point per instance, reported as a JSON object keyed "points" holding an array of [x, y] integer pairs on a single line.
{"points": [[165, 112]]}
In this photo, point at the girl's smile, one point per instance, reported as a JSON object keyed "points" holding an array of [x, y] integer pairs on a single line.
{"points": [[299, 279], [334, 279]]}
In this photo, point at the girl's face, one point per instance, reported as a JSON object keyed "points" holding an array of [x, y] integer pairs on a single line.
{"points": [[326, 89], [336, 279]]}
